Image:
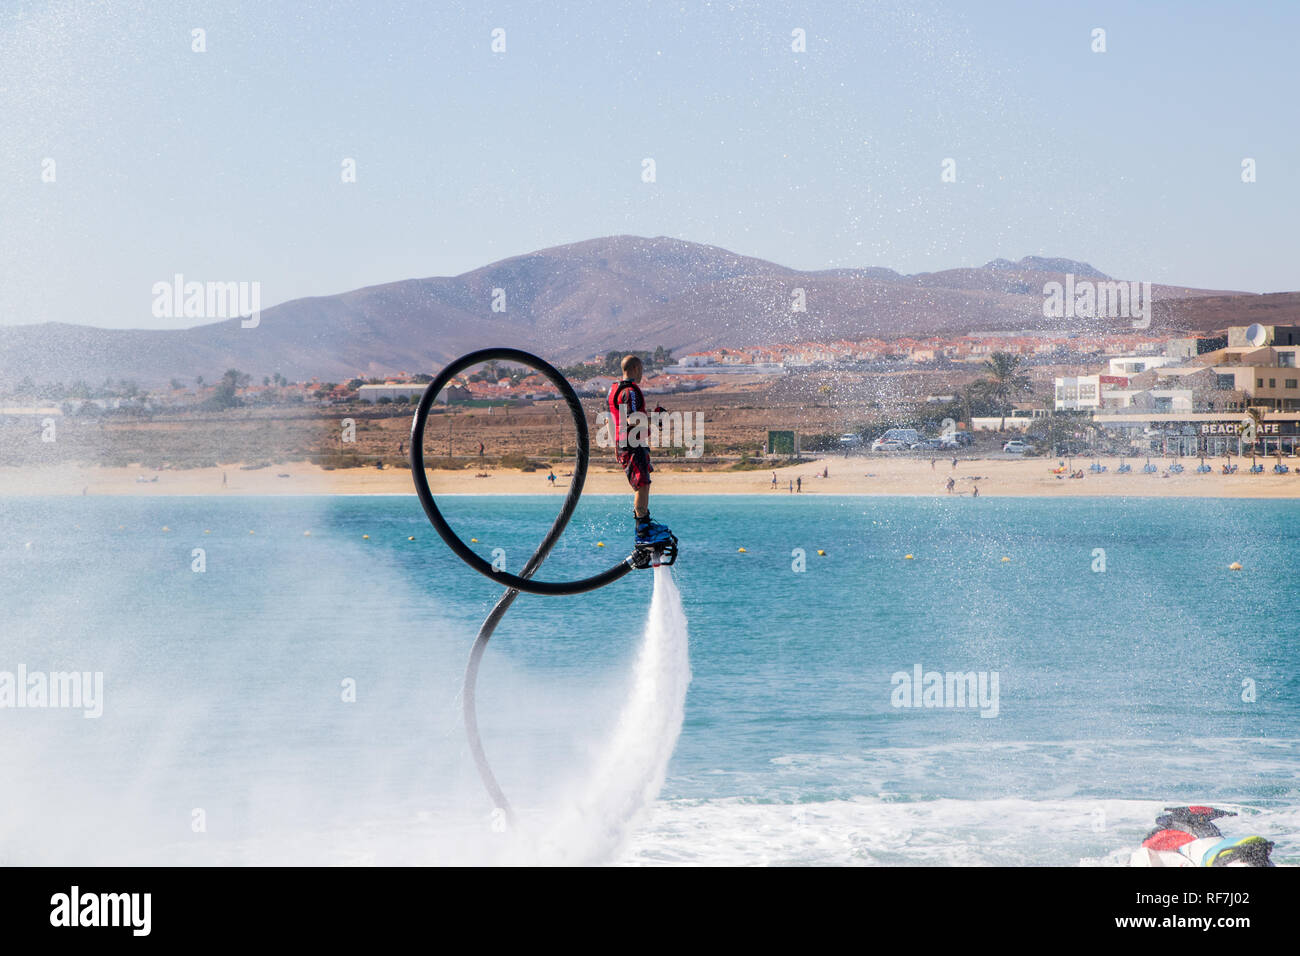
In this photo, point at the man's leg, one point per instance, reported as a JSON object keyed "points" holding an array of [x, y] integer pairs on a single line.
{"points": [[641, 501]]}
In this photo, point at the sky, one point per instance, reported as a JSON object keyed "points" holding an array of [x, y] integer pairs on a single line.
{"points": [[227, 164]]}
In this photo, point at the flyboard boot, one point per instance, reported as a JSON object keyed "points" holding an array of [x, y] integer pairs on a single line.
{"points": [[655, 544]]}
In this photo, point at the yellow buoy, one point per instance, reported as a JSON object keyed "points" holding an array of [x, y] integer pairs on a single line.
{"points": [[600, 544], [1235, 566], [411, 538], [907, 557], [306, 534], [207, 531], [1005, 559], [365, 537], [821, 552], [252, 532], [165, 528], [741, 551], [473, 540]]}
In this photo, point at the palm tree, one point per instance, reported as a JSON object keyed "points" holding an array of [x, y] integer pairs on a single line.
{"points": [[1057, 429], [968, 396], [1003, 378], [1257, 419]]}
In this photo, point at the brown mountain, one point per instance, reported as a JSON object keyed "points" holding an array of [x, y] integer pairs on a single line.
{"points": [[573, 301]]}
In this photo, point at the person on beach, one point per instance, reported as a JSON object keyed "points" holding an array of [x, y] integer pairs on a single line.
{"points": [[932, 463], [954, 464], [632, 447], [798, 485], [952, 483], [551, 477], [976, 492], [774, 481]]}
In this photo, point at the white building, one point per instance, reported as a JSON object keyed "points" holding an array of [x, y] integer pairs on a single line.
{"points": [[596, 385], [993, 423], [373, 393], [1161, 399], [1136, 364], [1078, 392], [696, 360]]}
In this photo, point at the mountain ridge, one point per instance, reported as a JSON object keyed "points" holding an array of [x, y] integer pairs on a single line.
{"points": [[572, 301]]}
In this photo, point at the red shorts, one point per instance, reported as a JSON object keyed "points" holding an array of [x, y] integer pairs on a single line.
{"points": [[637, 465]]}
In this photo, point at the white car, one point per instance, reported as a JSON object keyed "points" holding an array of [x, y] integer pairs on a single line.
{"points": [[896, 439], [1016, 447]]}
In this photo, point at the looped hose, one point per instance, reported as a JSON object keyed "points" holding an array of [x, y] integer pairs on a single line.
{"points": [[513, 583]]}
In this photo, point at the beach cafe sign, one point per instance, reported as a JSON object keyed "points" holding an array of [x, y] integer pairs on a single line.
{"points": [[1261, 429]]}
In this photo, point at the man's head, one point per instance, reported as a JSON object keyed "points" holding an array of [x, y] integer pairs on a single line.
{"points": [[632, 368]]}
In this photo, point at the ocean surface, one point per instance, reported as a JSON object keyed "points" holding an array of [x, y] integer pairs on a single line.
{"points": [[279, 688]]}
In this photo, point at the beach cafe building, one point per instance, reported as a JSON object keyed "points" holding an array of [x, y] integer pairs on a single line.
{"points": [[1212, 434]]}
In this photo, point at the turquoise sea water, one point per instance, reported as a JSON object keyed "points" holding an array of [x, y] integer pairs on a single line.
{"points": [[1119, 691]]}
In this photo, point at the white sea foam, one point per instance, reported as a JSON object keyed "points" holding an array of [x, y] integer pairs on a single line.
{"points": [[869, 832], [859, 831]]}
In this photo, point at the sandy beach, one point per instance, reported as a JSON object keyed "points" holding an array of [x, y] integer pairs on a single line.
{"points": [[854, 476]]}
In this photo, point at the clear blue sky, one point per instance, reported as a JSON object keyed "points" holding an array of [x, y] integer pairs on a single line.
{"points": [[226, 165]]}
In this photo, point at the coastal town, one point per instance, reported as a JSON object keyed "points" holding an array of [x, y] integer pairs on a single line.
{"points": [[1236, 391], [692, 371]]}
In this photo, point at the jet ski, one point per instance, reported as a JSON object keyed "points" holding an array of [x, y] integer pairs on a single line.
{"points": [[1187, 836]]}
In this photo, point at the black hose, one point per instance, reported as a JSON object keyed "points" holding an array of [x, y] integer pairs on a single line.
{"points": [[523, 581], [520, 582]]}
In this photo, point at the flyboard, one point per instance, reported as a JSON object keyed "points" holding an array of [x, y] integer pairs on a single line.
{"points": [[661, 553]]}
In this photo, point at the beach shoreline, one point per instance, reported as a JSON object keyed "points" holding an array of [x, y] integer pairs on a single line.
{"points": [[861, 476]]}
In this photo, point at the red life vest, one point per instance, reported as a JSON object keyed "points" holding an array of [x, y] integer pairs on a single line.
{"points": [[616, 392]]}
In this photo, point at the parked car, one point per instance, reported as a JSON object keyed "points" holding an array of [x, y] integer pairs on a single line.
{"points": [[956, 440], [1016, 447], [880, 445], [850, 440], [904, 437], [929, 444]]}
